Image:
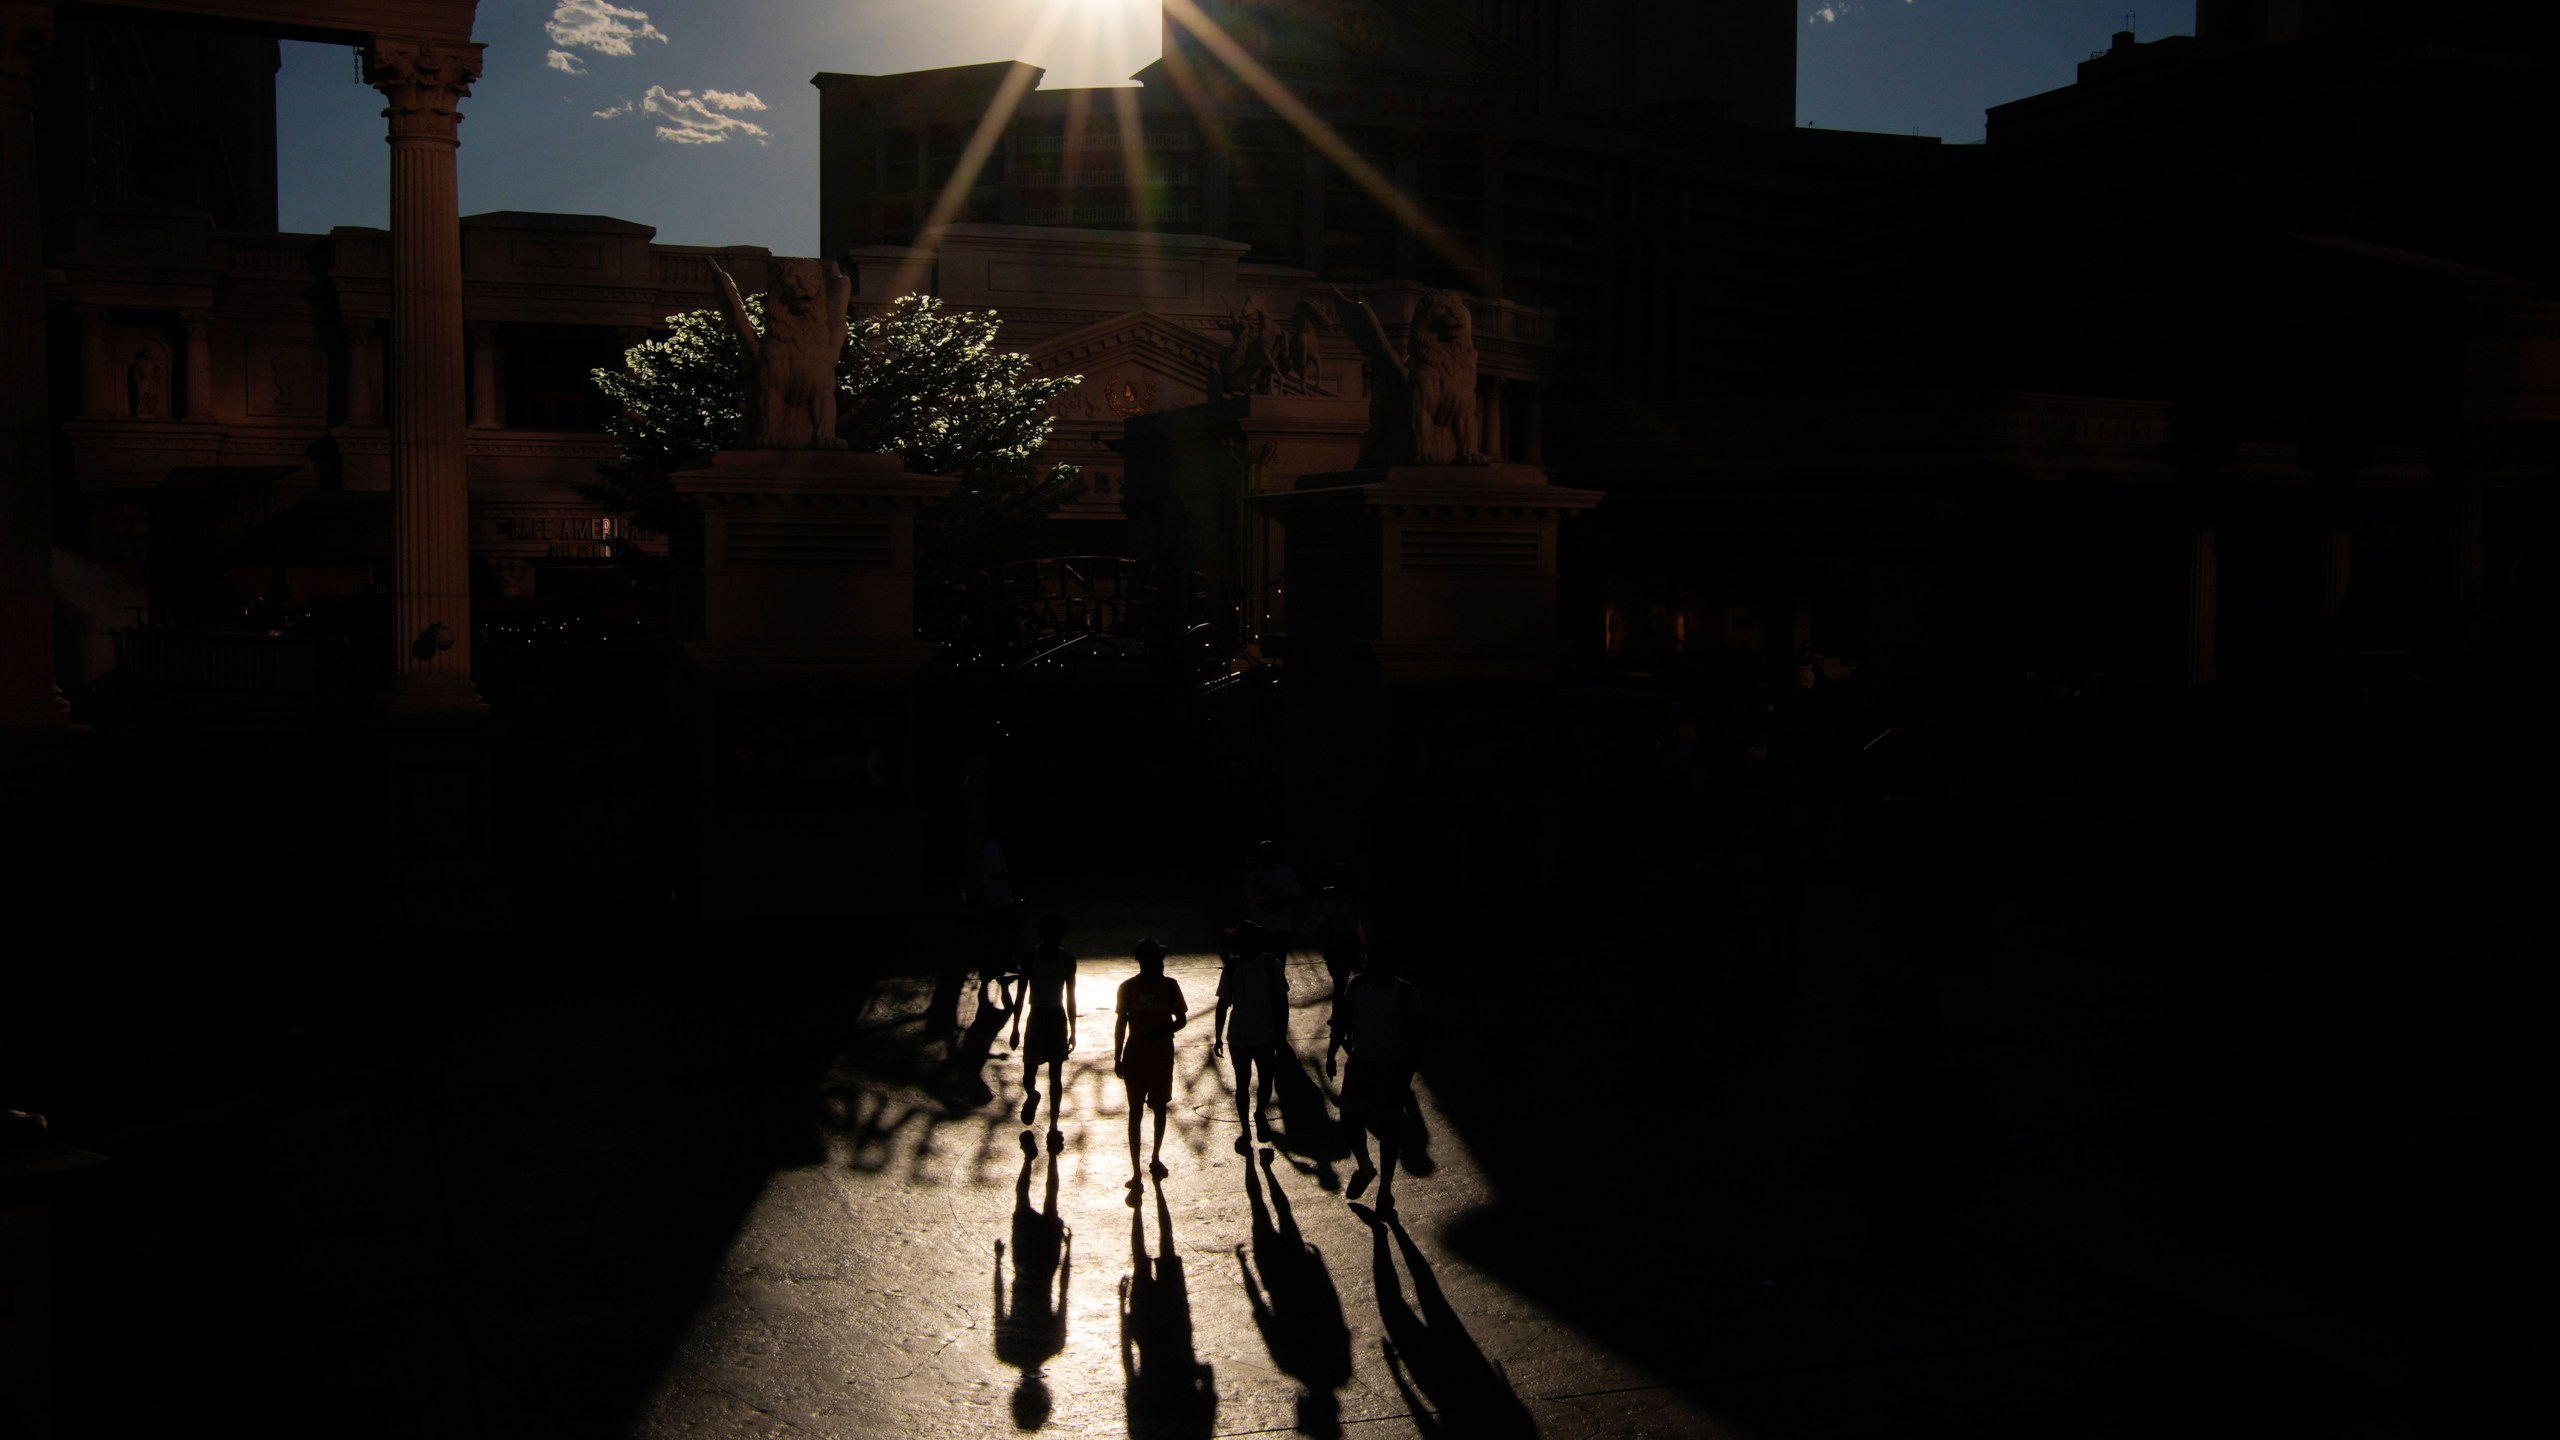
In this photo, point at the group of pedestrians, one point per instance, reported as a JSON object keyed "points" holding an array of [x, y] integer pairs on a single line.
{"points": [[1376, 1021]]}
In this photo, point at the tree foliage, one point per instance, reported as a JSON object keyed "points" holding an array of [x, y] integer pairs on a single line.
{"points": [[920, 381]]}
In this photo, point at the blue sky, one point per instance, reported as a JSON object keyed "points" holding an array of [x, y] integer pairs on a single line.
{"points": [[710, 124]]}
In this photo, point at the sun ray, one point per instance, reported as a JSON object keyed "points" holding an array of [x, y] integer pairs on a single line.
{"points": [[1327, 143], [1133, 162], [982, 143]]}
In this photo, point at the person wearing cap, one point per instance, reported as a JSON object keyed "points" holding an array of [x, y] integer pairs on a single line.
{"points": [[1049, 984], [1378, 1018], [1151, 1008], [1252, 1018]]}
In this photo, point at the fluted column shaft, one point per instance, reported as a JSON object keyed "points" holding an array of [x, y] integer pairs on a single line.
{"points": [[29, 699], [1489, 414], [430, 498]]}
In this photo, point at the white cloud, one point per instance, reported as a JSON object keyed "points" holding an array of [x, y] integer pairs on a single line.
{"points": [[725, 100], [625, 108], [604, 28], [564, 62], [1827, 14], [692, 122]]}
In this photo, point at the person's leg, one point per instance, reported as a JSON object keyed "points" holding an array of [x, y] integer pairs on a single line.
{"points": [[1030, 1090], [1135, 1107], [1262, 1090], [1355, 1121], [1240, 1060], [1390, 1140], [1156, 1158]]}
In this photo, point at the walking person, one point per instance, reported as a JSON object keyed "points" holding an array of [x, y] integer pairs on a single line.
{"points": [[1151, 1008], [1251, 1022], [1272, 898], [1002, 909], [1049, 988], [1339, 924], [1378, 1017]]}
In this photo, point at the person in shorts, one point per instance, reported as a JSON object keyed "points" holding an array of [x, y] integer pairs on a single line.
{"points": [[1151, 1008], [1252, 1020], [1049, 987], [1378, 1017]]}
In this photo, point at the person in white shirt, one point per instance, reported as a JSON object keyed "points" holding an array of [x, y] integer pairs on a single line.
{"points": [[1251, 1024], [1378, 1017]]}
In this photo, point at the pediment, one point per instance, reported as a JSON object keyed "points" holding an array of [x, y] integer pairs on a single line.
{"points": [[1131, 364]]}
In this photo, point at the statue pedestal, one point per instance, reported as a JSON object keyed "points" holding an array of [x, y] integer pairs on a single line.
{"points": [[1191, 472], [1437, 572], [796, 606]]}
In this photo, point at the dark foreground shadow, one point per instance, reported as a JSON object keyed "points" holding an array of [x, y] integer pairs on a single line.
{"points": [[1033, 1327], [1171, 1392], [1295, 1305], [1446, 1381]]}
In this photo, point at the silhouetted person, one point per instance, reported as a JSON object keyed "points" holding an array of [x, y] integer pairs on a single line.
{"points": [[1003, 916], [1049, 989], [1251, 1023], [1151, 1008], [1034, 1327], [1339, 924], [1295, 1305], [1170, 1392], [1378, 1017], [1272, 898]]}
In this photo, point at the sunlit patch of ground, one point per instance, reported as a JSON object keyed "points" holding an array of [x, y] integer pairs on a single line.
{"points": [[945, 1272]]}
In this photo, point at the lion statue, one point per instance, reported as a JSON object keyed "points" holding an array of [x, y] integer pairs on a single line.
{"points": [[1422, 403], [791, 367]]}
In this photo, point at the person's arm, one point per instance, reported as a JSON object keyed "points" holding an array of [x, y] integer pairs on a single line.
{"points": [[1181, 1007], [1119, 1042], [1071, 1002]]}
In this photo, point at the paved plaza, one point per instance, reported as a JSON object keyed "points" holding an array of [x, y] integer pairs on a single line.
{"points": [[944, 1271]]}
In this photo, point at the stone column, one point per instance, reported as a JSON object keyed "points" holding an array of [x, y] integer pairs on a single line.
{"points": [[484, 378], [199, 328], [1533, 424], [102, 394], [29, 700], [2333, 466], [430, 500], [364, 373], [1489, 418]]}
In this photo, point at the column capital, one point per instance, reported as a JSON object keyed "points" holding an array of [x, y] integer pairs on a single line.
{"points": [[92, 318], [481, 332], [197, 323], [425, 81], [26, 38]]}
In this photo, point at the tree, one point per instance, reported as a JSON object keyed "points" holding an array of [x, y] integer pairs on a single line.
{"points": [[919, 381]]}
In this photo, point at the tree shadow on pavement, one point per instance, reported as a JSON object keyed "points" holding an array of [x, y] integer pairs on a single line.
{"points": [[1033, 1328], [1171, 1392], [1448, 1384], [1295, 1306]]}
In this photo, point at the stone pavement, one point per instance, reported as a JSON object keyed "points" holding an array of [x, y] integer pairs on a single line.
{"points": [[942, 1272]]}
